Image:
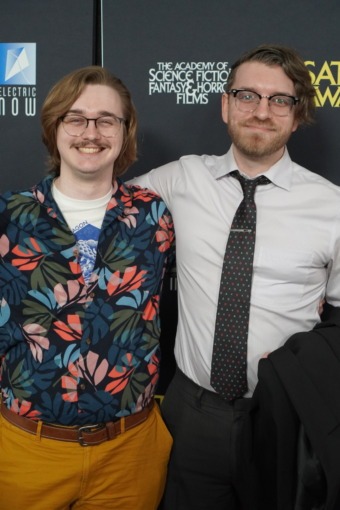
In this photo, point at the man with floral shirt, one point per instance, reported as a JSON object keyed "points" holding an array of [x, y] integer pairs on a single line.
{"points": [[82, 260]]}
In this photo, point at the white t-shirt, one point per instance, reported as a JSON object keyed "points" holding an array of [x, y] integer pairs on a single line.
{"points": [[84, 217]]}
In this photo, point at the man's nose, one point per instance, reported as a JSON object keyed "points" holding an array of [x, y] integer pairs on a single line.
{"points": [[263, 111], [91, 130]]}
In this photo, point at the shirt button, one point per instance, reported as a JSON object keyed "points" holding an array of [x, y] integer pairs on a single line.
{"points": [[88, 341], [82, 386]]}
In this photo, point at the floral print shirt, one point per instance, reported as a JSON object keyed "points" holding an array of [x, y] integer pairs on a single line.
{"points": [[76, 353]]}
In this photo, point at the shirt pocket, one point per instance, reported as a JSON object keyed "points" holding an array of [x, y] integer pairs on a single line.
{"points": [[280, 276]]}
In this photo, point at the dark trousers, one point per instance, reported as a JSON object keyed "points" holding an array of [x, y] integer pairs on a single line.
{"points": [[209, 468]]}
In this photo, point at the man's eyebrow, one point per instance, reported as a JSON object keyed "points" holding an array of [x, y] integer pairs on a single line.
{"points": [[101, 113], [252, 89]]}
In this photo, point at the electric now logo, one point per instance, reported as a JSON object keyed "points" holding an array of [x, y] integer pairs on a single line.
{"points": [[17, 63]]}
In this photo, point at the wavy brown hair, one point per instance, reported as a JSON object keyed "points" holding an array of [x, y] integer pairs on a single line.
{"points": [[62, 96], [295, 69]]}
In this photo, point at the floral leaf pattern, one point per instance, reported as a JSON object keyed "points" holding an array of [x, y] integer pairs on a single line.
{"points": [[75, 353]]}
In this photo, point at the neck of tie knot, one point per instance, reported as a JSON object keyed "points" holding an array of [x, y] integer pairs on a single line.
{"points": [[249, 185]]}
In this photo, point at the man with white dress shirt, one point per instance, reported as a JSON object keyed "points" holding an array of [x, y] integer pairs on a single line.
{"points": [[296, 266]]}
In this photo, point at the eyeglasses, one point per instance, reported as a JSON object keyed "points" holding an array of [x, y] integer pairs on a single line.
{"points": [[76, 125], [279, 104]]}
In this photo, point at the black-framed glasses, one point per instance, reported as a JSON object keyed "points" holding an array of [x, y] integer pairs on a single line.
{"points": [[248, 101], [76, 125]]}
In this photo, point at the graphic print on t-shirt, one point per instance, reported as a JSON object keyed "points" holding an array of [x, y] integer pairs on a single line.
{"points": [[87, 240]]}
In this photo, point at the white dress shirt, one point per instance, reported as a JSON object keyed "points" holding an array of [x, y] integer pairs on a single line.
{"points": [[296, 260]]}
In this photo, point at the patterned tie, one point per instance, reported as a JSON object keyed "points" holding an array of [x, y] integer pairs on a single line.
{"points": [[229, 360]]}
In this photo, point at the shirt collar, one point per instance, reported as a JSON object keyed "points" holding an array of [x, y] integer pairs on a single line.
{"points": [[280, 174]]}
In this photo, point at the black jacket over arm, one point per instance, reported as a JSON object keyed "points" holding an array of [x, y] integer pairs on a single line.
{"points": [[296, 422]]}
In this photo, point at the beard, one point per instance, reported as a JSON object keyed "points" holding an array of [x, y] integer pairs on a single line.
{"points": [[258, 145]]}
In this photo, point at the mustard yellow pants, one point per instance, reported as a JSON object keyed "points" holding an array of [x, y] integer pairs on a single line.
{"points": [[126, 473]]}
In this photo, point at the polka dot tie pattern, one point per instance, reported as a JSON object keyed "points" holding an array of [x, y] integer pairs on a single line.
{"points": [[229, 360]]}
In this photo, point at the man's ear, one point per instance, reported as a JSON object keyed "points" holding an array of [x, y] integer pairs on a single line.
{"points": [[225, 107], [295, 125]]}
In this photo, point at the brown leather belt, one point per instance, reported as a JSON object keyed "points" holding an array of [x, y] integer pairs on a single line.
{"points": [[87, 435]]}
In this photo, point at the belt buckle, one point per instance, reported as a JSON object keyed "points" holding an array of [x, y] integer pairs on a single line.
{"points": [[89, 429]]}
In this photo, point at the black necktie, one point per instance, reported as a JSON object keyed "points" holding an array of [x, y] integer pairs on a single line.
{"points": [[229, 360]]}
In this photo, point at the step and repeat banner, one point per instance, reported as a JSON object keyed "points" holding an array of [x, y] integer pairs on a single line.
{"points": [[175, 56]]}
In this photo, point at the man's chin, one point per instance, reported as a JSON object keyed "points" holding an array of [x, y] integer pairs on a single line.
{"points": [[255, 150]]}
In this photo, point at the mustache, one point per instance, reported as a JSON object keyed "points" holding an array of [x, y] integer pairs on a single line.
{"points": [[80, 145], [261, 124]]}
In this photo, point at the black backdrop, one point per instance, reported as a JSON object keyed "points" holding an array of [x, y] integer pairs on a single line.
{"points": [[174, 56]]}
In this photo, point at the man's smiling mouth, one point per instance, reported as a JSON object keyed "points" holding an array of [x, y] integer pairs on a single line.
{"points": [[90, 150]]}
